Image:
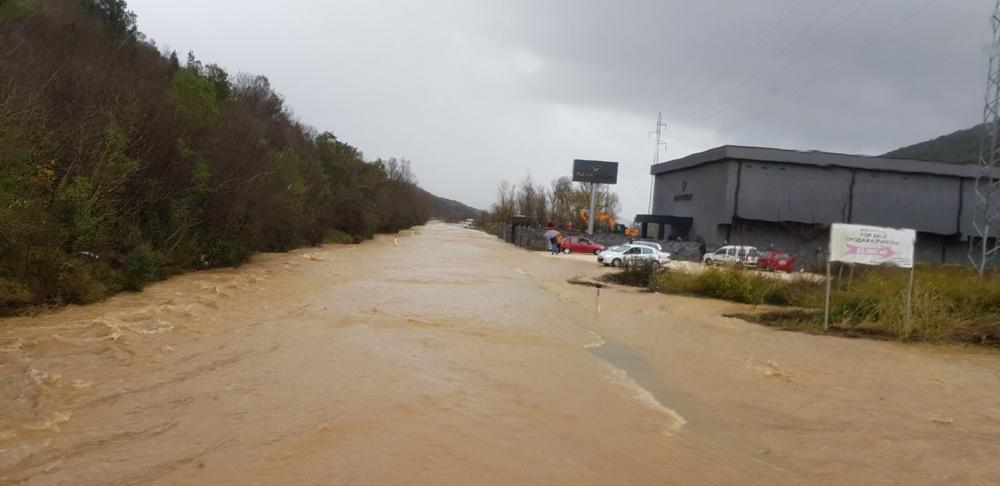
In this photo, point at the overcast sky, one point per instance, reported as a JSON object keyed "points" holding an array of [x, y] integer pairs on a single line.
{"points": [[473, 92]]}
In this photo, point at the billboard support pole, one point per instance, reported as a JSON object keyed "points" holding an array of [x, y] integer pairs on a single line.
{"points": [[826, 311], [593, 201]]}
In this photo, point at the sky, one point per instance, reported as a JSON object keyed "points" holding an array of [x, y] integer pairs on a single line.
{"points": [[473, 92]]}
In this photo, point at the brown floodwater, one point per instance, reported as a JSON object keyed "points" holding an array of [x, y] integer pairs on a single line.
{"points": [[448, 357]]}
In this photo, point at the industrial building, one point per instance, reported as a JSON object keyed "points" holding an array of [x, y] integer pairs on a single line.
{"points": [[763, 196]]}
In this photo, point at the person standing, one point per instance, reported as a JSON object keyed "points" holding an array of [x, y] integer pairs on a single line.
{"points": [[702, 249], [553, 238]]}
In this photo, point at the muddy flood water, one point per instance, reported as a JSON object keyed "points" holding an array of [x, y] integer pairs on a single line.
{"points": [[448, 357]]}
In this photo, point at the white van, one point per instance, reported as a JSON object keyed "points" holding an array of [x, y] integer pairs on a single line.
{"points": [[737, 255]]}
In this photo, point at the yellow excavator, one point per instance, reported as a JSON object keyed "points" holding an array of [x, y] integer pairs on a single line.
{"points": [[598, 216]]}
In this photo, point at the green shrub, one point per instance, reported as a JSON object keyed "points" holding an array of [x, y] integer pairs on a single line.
{"points": [[14, 294], [737, 285], [635, 274], [82, 281], [227, 254], [139, 268], [339, 237]]}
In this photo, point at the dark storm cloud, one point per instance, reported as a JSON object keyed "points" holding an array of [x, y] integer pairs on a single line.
{"points": [[851, 75], [478, 91]]}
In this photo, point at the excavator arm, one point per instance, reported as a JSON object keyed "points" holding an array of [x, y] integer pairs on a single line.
{"points": [[599, 216]]}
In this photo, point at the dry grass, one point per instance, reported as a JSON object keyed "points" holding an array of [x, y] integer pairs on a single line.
{"points": [[950, 304]]}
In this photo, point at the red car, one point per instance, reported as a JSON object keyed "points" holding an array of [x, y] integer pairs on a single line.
{"points": [[580, 245], [772, 260]]}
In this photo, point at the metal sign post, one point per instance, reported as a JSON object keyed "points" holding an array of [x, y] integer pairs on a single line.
{"points": [[594, 172], [590, 215]]}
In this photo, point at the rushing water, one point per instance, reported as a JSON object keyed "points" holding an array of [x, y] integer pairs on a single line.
{"points": [[448, 357]]}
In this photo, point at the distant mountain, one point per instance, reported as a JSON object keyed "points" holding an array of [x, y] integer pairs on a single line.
{"points": [[961, 147], [450, 210]]}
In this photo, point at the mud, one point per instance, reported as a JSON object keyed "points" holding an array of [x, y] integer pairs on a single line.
{"points": [[448, 357]]}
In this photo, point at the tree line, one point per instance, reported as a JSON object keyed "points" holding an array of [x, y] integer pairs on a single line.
{"points": [[121, 165], [557, 204]]}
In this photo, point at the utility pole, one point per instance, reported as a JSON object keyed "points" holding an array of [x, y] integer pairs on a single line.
{"points": [[984, 250], [656, 154]]}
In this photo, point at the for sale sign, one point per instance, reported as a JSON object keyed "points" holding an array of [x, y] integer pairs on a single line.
{"points": [[872, 245]]}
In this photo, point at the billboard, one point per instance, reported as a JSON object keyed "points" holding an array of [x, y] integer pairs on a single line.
{"points": [[595, 171], [872, 245]]}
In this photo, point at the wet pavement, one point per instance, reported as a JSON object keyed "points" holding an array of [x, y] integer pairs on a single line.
{"points": [[448, 357]]}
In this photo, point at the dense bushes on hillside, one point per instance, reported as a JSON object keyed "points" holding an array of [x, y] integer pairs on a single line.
{"points": [[959, 147], [119, 165]]}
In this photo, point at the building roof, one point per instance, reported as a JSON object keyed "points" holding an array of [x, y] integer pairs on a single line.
{"points": [[818, 159]]}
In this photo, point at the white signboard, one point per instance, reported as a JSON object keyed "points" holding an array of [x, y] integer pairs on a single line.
{"points": [[872, 245]]}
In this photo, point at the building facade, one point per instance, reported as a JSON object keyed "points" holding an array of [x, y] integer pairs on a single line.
{"points": [[763, 196]]}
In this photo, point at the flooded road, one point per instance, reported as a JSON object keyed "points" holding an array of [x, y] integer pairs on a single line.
{"points": [[448, 357]]}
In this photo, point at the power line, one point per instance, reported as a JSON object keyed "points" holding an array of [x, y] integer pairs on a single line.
{"points": [[799, 86], [874, 41], [732, 65], [761, 67], [818, 39]]}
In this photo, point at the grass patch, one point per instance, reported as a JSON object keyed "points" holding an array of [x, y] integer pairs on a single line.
{"points": [[743, 286], [950, 304]]}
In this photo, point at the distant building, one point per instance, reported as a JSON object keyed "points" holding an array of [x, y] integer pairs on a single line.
{"points": [[761, 196]]}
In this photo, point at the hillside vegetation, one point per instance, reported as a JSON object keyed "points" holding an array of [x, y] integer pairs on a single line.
{"points": [[451, 210], [120, 165], [960, 147]]}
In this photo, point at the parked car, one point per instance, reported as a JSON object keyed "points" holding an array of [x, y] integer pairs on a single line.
{"points": [[773, 260], [619, 255], [736, 255], [650, 244], [469, 223], [580, 244]]}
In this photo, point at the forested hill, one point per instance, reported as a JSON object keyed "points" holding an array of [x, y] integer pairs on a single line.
{"points": [[961, 147], [450, 210], [120, 164]]}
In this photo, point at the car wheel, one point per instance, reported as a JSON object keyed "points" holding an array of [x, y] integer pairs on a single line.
{"points": [[708, 262], [616, 262], [597, 252], [567, 251]]}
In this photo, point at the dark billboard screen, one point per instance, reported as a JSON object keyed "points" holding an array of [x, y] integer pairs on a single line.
{"points": [[595, 171]]}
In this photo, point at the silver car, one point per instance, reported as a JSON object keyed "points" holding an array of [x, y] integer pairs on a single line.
{"points": [[617, 256], [651, 244]]}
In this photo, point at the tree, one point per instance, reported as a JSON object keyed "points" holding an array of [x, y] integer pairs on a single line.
{"points": [[120, 166], [115, 15]]}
